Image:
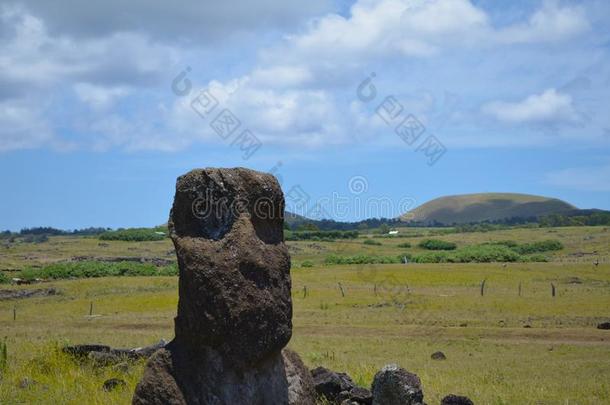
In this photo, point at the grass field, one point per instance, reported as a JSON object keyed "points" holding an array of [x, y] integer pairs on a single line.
{"points": [[501, 348]]}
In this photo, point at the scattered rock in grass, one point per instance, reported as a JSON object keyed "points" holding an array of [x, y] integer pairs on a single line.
{"points": [[339, 388], [331, 384], [84, 350], [19, 294], [394, 385], [463, 325], [438, 356], [105, 355], [26, 382], [103, 359], [113, 383], [361, 396], [527, 326], [456, 400], [604, 326], [574, 280], [380, 305]]}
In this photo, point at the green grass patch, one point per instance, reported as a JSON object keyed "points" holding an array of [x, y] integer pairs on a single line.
{"points": [[362, 259], [371, 242], [92, 269], [135, 234], [327, 236], [436, 244]]}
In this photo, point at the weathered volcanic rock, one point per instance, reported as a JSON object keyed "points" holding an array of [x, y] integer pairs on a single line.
{"points": [[235, 309], [300, 384], [331, 384], [438, 356], [394, 385], [339, 388], [604, 326], [456, 400], [227, 227]]}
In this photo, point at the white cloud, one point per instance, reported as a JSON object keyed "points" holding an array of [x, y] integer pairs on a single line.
{"points": [[22, 127], [185, 20], [384, 27], [549, 24], [581, 178], [100, 97], [300, 92], [304, 117], [282, 76], [547, 107]]}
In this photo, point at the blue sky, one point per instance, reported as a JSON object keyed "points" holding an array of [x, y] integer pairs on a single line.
{"points": [[96, 122]]}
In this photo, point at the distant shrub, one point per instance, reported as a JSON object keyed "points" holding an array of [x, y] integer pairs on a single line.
{"points": [[307, 263], [436, 244], [3, 278], [404, 245], [486, 254], [538, 247], [135, 235], [94, 269], [470, 254], [35, 238], [372, 242], [362, 259], [432, 257], [535, 258], [325, 236]]}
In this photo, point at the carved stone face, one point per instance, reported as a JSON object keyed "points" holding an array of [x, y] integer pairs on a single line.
{"points": [[227, 227]]}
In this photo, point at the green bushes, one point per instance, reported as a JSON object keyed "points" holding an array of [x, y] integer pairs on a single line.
{"points": [[372, 242], [307, 263], [485, 254], [436, 244], [35, 238], [404, 245], [320, 235], [432, 257], [538, 247], [535, 258], [97, 269], [135, 234], [3, 278], [362, 259]]}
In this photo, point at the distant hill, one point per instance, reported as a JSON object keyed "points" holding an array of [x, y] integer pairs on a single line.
{"points": [[294, 220], [472, 208]]}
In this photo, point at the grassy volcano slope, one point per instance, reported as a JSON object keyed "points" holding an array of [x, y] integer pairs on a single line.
{"points": [[466, 208]]}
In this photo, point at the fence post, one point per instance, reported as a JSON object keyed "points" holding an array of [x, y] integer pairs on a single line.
{"points": [[91, 308], [483, 287], [553, 289], [519, 289], [341, 288], [14, 312]]}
